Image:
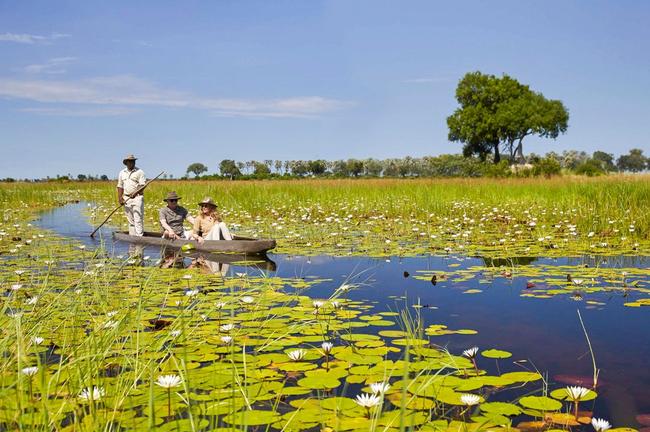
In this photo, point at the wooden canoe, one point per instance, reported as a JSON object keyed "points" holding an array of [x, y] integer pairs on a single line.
{"points": [[239, 245]]}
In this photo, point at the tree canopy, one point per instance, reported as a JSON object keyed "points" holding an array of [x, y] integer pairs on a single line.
{"points": [[197, 168], [633, 161], [229, 167], [499, 112]]}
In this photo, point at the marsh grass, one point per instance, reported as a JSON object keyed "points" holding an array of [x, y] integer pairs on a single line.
{"points": [[95, 311]]}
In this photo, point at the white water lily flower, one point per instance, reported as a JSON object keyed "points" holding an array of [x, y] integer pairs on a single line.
{"points": [[327, 347], [169, 381], [336, 305], [241, 275], [19, 272], [30, 371], [220, 305], [471, 352], [345, 287], [601, 425], [247, 299], [367, 400], [318, 304], [16, 287], [576, 392], [226, 339], [192, 292], [226, 327], [470, 399], [111, 314], [187, 277], [175, 333], [94, 393], [296, 355], [31, 300], [110, 324], [379, 387], [37, 340], [577, 281]]}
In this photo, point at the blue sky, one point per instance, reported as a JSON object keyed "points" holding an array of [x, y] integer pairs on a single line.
{"points": [[82, 83]]}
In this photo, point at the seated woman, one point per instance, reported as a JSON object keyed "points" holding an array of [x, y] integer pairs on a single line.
{"points": [[208, 224], [171, 218]]}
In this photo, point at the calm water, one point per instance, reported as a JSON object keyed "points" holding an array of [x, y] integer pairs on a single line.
{"points": [[546, 332]]}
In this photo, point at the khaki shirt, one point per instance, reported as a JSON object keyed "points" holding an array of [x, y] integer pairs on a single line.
{"points": [[130, 181], [203, 224], [174, 218]]}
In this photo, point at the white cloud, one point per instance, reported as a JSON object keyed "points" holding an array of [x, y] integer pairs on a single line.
{"points": [[31, 39], [129, 91], [56, 65], [82, 111]]}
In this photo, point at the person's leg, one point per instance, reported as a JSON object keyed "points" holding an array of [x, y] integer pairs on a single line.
{"points": [[225, 233], [128, 211], [213, 234], [138, 215]]}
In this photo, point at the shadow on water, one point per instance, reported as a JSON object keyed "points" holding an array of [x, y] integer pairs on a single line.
{"points": [[542, 334]]}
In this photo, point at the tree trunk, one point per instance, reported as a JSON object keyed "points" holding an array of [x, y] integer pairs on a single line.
{"points": [[519, 152], [497, 155]]}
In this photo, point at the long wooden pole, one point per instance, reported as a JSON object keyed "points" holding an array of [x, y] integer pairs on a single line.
{"points": [[140, 189]]}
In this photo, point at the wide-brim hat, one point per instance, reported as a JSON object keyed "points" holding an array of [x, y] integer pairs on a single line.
{"points": [[208, 201], [129, 157], [172, 196]]}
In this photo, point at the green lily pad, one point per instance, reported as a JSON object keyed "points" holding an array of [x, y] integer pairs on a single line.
{"points": [[541, 403], [496, 354]]}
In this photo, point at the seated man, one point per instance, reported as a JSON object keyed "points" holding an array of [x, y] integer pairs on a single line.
{"points": [[208, 224], [171, 218]]}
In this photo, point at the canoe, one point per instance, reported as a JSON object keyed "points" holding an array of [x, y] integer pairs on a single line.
{"points": [[239, 245]]}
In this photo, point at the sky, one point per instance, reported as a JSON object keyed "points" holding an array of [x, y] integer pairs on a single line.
{"points": [[83, 83]]}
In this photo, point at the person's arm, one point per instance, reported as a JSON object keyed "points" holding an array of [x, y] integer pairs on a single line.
{"points": [[120, 195], [120, 189], [190, 219], [196, 228], [169, 232], [142, 180]]}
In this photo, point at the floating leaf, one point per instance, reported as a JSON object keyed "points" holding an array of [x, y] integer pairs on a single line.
{"points": [[541, 403], [496, 354]]}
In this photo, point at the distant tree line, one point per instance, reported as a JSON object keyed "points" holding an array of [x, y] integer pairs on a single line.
{"points": [[449, 165]]}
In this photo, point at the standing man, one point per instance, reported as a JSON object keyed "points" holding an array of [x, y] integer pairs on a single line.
{"points": [[129, 181]]}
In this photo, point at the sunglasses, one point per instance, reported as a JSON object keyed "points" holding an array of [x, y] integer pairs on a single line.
{"points": [[173, 200]]}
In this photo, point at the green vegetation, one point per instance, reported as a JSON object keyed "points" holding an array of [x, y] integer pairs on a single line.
{"points": [[522, 217], [500, 112], [96, 342]]}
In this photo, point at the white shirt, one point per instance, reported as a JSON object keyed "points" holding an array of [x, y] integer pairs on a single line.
{"points": [[130, 181]]}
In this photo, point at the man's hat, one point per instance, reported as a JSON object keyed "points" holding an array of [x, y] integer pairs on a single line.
{"points": [[172, 196], [129, 157], [208, 201]]}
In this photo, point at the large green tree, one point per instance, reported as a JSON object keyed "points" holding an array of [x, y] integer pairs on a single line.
{"points": [[634, 161], [196, 168], [229, 167], [498, 113]]}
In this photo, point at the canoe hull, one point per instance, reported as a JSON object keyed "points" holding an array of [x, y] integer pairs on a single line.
{"points": [[239, 245]]}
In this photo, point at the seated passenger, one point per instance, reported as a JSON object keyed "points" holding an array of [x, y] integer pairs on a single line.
{"points": [[208, 224], [171, 218]]}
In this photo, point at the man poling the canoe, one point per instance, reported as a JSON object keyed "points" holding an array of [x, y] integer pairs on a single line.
{"points": [[130, 194], [123, 198]]}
